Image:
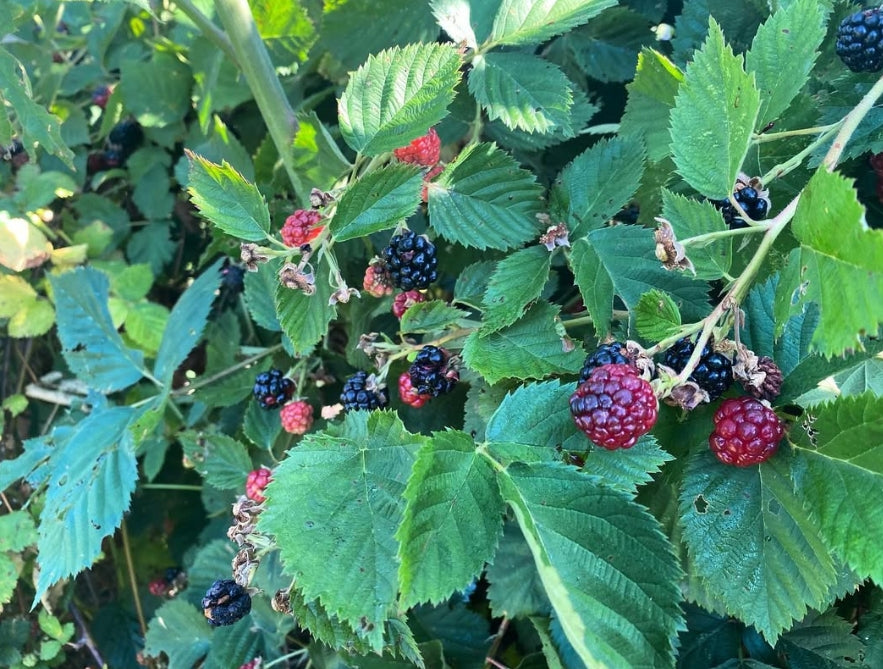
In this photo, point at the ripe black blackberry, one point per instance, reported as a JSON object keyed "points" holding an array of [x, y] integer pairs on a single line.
{"points": [[411, 260], [860, 40], [606, 354], [431, 372], [225, 602], [713, 373], [750, 200], [360, 394], [127, 135], [272, 390]]}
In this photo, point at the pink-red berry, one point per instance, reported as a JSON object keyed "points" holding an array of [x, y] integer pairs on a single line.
{"points": [[377, 281], [296, 417], [404, 301], [422, 151], [614, 406], [256, 663], [409, 394], [746, 432], [158, 587], [256, 482], [301, 228], [429, 176]]}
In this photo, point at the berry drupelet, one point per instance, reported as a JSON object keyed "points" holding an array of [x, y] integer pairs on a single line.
{"points": [[713, 373], [422, 151], [613, 353], [860, 40], [614, 407], [431, 372], [361, 394], [257, 480], [746, 432], [296, 417], [272, 389], [407, 393], [411, 260], [754, 204]]}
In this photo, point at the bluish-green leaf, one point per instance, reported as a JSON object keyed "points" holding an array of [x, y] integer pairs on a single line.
{"points": [[221, 460], [716, 108], [90, 343], [523, 91], [397, 96], [179, 630], [517, 281], [304, 318], [186, 323], [691, 218], [452, 521], [515, 588], [377, 202], [537, 414], [484, 200]]}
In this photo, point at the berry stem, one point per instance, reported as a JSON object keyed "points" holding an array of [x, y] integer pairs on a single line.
{"points": [[285, 658], [133, 582], [208, 28], [773, 136], [702, 240], [850, 123], [795, 161]]}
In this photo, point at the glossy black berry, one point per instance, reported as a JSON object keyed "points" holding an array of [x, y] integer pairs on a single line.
{"points": [[127, 135], [225, 602], [411, 261], [431, 373], [232, 278], [272, 389], [357, 396], [713, 373], [606, 354], [750, 200], [860, 41]]}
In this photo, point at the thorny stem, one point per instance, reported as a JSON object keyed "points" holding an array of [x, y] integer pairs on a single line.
{"points": [[133, 582], [742, 284]]}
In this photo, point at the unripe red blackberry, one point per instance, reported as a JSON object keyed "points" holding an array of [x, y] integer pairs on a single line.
{"points": [[746, 432], [257, 480], [422, 151], [296, 417], [406, 300], [408, 394], [301, 228]]}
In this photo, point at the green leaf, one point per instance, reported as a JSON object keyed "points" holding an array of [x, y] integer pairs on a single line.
{"points": [[226, 199], [317, 158], [531, 348], [607, 48], [817, 380], [691, 218], [17, 531], [484, 200], [260, 287], [377, 201], [782, 54], [523, 91], [91, 478], [221, 460], [452, 521], [90, 343], [537, 414], [515, 588], [753, 543], [157, 92], [261, 427], [145, 323], [397, 96], [517, 281], [8, 579], [22, 245], [527, 22], [472, 283], [179, 630], [657, 316], [626, 469], [651, 96], [838, 475], [597, 184], [305, 318], [716, 107], [607, 569], [621, 261], [187, 322], [822, 640], [470, 21], [838, 265], [37, 124], [345, 492], [324, 627], [430, 317]]}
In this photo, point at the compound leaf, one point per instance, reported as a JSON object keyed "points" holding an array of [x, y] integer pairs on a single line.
{"points": [[377, 202], [227, 199], [537, 414], [484, 200], [523, 91], [90, 342], [607, 568], [690, 218], [716, 107], [453, 519], [397, 96], [753, 543], [838, 474], [838, 265], [334, 505]]}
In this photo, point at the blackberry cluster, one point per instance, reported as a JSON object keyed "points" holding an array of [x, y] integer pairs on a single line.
{"points": [[606, 354], [272, 389], [225, 602], [411, 260], [431, 372], [713, 373], [121, 143], [357, 396], [750, 200], [860, 40]]}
